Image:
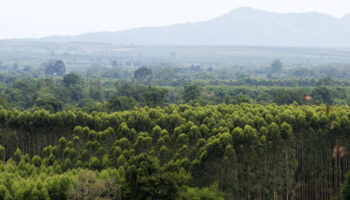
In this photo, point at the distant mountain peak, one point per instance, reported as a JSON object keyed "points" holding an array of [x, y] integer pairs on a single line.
{"points": [[247, 11], [241, 26]]}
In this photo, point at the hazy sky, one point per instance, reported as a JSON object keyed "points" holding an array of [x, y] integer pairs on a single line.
{"points": [[37, 18]]}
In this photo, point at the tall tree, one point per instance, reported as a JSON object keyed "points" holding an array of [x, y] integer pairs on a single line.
{"points": [[143, 74], [276, 66], [55, 67], [191, 92], [71, 80], [155, 97]]}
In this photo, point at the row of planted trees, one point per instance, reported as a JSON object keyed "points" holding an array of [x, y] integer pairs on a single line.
{"points": [[248, 151]]}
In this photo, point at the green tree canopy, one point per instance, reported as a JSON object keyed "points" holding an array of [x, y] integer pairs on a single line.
{"points": [[191, 92]]}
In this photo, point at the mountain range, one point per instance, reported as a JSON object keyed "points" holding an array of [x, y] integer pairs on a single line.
{"points": [[241, 26]]}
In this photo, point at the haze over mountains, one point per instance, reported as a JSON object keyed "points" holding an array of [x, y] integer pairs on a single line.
{"points": [[242, 26]]}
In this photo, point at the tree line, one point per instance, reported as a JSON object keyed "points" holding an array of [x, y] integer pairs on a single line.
{"points": [[73, 91]]}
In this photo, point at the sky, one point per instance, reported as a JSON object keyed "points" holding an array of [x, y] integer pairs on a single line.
{"points": [[39, 18]]}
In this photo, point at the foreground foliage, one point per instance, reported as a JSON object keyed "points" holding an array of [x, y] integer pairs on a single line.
{"points": [[245, 151]]}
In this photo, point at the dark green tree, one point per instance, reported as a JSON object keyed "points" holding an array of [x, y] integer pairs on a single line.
{"points": [[49, 104], [143, 74], [155, 97], [121, 103], [322, 94], [191, 92], [146, 180], [71, 80]]}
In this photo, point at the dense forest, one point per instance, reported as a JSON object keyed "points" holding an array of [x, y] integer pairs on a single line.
{"points": [[174, 132], [245, 151]]}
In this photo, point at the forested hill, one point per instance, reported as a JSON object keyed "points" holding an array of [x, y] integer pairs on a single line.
{"points": [[242, 26]]}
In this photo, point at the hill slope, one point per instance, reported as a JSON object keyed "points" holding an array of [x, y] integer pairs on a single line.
{"points": [[242, 26]]}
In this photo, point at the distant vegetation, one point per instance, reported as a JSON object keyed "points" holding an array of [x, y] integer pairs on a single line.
{"points": [[120, 88]]}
